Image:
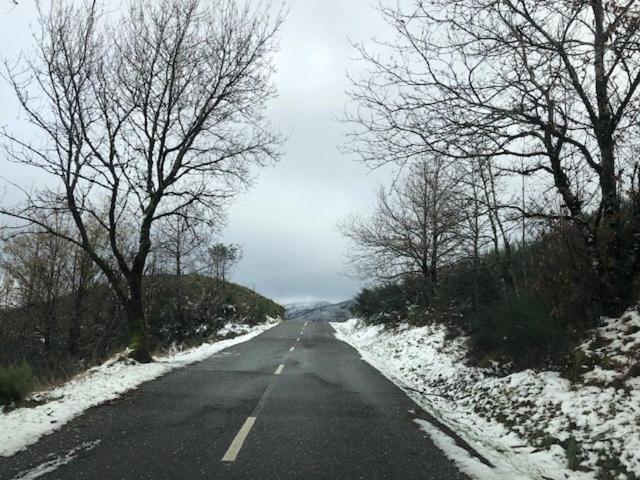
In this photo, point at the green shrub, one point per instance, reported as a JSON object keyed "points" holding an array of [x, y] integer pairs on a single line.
{"points": [[573, 453], [579, 362], [382, 304], [469, 284], [520, 327], [16, 382]]}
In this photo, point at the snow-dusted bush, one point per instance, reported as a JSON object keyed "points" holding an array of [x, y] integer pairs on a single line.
{"points": [[16, 382]]}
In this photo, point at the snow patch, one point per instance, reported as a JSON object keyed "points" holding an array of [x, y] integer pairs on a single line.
{"points": [[615, 350], [57, 462]]}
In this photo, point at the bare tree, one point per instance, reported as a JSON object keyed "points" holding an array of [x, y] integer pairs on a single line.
{"points": [[141, 118], [551, 83], [84, 276], [37, 266], [179, 249], [49, 279], [181, 244], [479, 231], [222, 258], [415, 229]]}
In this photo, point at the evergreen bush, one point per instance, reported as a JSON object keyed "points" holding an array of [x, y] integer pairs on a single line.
{"points": [[16, 382]]}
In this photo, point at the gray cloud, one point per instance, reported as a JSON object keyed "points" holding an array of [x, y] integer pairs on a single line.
{"points": [[286, 223]]}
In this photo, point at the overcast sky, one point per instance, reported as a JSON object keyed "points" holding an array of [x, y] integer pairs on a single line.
{"points": [[287, 223]]}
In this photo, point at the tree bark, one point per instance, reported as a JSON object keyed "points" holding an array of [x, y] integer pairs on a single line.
{"points": [[73, 346], [139, 342]]}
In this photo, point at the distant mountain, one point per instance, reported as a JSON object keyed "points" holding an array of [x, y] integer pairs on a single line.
{"points": [[294, 309], [320, 311]]}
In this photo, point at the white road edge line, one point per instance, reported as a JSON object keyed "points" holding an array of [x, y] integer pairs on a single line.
{"points": [[279, 369], [236, 445], [291, 349], [298, 339]]}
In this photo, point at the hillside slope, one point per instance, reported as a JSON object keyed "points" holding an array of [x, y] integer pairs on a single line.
{"points": [[62, 337]]}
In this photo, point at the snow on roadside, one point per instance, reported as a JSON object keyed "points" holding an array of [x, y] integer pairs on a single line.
{"points": [[56, 462], [233, 329], [24, 426], [520, 422]]}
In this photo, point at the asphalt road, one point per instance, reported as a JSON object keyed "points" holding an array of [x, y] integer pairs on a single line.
{"points": [[292, 403]]}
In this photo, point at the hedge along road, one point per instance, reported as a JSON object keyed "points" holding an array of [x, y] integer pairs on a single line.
{"points": [[291, 403]]}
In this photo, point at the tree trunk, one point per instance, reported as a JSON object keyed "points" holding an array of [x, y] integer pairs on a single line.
{"points": [[179, 304], [426, 293], [632, 263], [433, 268], [50, 320], [610, 231], [139, 341], [74, 324], [604, 128]]}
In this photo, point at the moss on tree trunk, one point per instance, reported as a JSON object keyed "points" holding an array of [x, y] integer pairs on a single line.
{"points": [[139, 341]]}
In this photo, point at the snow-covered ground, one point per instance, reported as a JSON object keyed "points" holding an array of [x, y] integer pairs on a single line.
{"points": [[24, 426], [529, 425]]}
